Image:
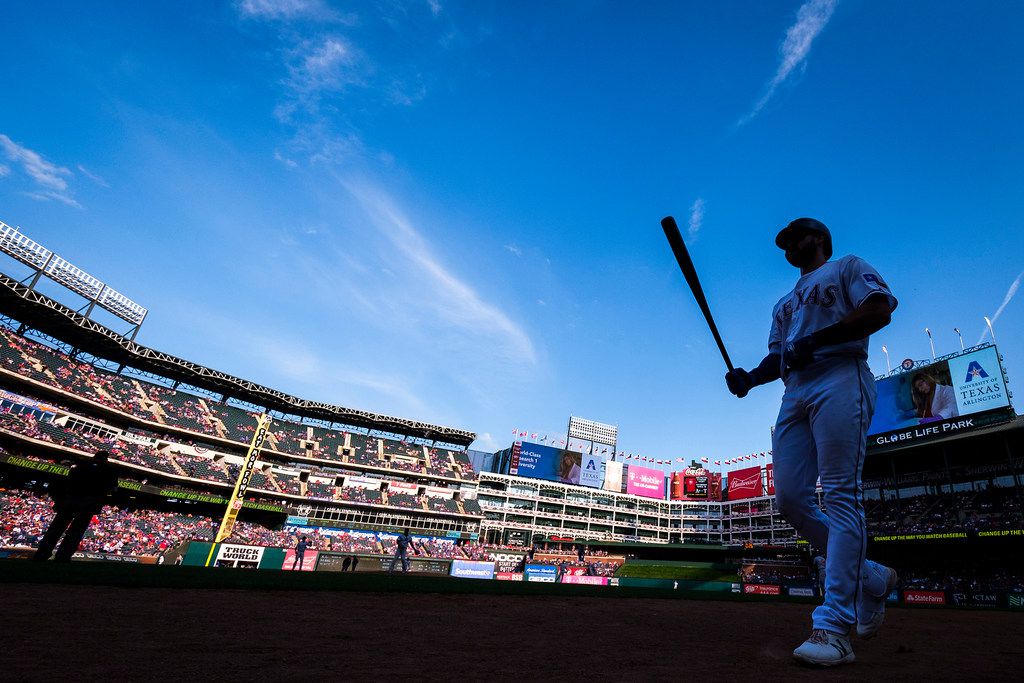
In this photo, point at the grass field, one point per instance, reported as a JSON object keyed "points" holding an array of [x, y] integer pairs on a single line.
{"points": [[688, 571]]}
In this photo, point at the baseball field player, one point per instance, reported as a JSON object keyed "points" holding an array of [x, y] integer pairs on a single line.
{"points": [[818, 346]]}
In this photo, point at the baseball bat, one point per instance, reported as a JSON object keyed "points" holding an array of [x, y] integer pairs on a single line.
{"points": [[675, 240]]}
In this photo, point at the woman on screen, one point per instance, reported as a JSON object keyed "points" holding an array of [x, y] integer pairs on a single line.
{"points": [[932, 401], [569, 469]]}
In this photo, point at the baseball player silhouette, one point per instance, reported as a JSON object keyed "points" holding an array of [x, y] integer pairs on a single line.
{"points": [[818, 346]]}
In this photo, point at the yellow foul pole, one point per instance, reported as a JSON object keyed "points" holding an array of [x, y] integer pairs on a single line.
{"points": [[238, 495]]}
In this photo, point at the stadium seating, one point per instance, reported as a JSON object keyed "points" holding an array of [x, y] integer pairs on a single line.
{"points": [[25, 514], [320, 490], [181, 410], [405, 500], [990, 509]]}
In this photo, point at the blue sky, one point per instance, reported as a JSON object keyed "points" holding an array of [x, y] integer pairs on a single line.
{"points": [[449, 211]]}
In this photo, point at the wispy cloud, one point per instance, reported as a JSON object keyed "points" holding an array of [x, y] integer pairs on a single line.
{"points": [[435, 7], [47, 196], [452, 300], [811, 19], [1006, 301], [325, 65], [290, 163], [696, 220], [50, 178], [4, 170], [92, 176], [486, 442], [286, 9], [513, 249], [306, 369]]}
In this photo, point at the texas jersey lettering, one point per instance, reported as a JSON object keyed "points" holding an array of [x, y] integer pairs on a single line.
{"points": [[822, 298]]}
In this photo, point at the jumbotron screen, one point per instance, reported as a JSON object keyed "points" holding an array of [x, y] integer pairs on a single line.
{"points": [[948, 397], [555, 464]]}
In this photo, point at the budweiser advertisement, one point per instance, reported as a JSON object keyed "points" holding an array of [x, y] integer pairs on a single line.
{"points": [[745, 483]]}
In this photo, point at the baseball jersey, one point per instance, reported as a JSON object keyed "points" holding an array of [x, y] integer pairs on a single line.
{"points": [[822, 298]]}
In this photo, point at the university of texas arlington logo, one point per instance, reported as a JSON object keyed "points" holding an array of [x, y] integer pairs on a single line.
{"points": [[975, 371]]}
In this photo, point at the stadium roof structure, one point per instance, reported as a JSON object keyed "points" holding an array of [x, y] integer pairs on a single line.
{"points": [[39, 312]]}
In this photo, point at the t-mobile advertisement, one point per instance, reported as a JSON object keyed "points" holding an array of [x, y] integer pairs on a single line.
{"points": [[745, 483], [944, 398], [643, 481], [585, 580], [545, 462]]}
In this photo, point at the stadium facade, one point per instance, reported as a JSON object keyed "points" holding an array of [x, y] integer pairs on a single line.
{"points": [[178, 431]]}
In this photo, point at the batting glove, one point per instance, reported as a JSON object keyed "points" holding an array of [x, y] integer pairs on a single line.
{"points": [[740, 382]]}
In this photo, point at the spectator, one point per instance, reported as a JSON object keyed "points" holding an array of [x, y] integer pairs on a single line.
{"points": [[402, 545], [300, 553], [88, 484]]}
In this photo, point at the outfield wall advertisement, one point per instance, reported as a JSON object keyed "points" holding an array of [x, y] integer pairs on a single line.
{"points": [[506, 561], [472, 569], [585, 580], [947, 397], [643, 481], [544, 573]]}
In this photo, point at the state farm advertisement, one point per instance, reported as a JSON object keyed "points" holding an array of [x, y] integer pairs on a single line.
{"points": [[924, 597], [761, 589], [643, 481], [745, 483]]}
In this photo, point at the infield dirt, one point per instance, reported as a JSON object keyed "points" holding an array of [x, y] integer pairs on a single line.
{"points": [[114, 633]]}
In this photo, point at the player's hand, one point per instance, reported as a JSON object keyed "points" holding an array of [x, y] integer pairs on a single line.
{"points": [[799, 354], [740, 382]]}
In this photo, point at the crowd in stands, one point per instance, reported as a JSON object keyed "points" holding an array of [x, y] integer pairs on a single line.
{"points": [[773, 573], [175, 408], [25, 515], [961, 511], [320, 490], [963, 580], [207, 468]]}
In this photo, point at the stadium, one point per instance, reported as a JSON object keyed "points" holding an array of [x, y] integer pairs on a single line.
{"points": [[541, 521], [454, 340]]}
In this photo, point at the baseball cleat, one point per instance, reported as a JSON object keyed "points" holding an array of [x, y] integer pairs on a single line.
{"points": [[871, 607], [825, 649]]}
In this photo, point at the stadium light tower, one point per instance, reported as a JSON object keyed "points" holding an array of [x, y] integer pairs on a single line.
{"points": [[888, 368], [960, 336], [990, 330], [931, 341]]}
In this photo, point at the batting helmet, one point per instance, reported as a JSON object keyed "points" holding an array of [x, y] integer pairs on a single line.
{"points": [[805, 225]]}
